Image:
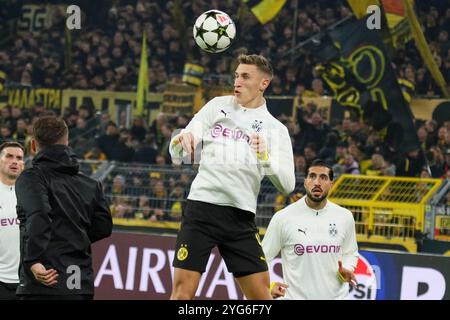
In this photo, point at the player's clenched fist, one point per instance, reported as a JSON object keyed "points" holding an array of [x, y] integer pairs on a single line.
{"points": [[259, 146]]}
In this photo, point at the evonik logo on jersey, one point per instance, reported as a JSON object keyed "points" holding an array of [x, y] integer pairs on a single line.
{"points": [[233, 146], [5, 222], [300, 249]]}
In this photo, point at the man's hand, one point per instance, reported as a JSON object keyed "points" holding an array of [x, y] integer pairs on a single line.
{"points": [[44, 276], [259, 146], [186, 139], [278, 289], [346, 275]]}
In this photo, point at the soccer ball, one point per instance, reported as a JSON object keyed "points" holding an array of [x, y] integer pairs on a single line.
{"points": [[214, 31]]}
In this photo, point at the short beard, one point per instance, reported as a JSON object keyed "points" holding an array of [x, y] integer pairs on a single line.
{"points": [[316, 199], [12, 176]]}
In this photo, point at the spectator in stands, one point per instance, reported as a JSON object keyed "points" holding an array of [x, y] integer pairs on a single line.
{"points": [[20, 133], [379, 167], [350, 166], [431, 126], [166, 131], [422, 135], [5, 134], [124, 150], [176, 202], [313, 131], [328, 152], [436, 161], [118, 186], [447, 162], [411, 164], [143, 211], [138, 130], [442, 137], [158, 201], [107, 142], [137, 187], [310, 153], [146, 152], [300, 164], [128, 207], [341, 152]]}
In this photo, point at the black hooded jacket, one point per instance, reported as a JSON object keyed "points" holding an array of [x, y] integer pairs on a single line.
{"points": [[61, 212]]}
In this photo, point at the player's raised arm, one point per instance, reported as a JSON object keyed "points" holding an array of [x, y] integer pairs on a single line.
{"points": [[185, 141]]}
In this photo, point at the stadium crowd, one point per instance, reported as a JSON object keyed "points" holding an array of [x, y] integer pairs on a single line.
{"points": [[350, 145], [105, 53], [108, 59]]}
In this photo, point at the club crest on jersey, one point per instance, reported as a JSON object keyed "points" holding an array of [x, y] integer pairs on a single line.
{"points": [[333, 230], [257, 125]]}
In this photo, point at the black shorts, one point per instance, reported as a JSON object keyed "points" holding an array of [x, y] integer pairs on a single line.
{"points": [[232, 230], [8, 291]]}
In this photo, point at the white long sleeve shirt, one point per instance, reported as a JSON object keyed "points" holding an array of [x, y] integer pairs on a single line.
{"points": [[311, 244], [230, 173], [9, 235]]}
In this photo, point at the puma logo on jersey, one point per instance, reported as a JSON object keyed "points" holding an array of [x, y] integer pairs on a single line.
{"points": [[304, 231], [225, 113]]}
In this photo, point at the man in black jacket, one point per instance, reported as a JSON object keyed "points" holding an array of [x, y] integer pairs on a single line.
{"points": [[61, 212]]}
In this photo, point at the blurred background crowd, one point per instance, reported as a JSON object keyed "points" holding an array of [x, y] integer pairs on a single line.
{"points": [[106, 56]]}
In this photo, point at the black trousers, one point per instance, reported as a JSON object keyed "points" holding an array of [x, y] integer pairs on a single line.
{"points": [[78, 297], [8, 291]]}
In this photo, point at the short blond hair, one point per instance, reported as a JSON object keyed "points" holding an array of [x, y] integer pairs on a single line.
{"points": [[257, 60]]}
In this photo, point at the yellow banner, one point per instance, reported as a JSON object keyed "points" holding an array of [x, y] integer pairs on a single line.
{"points": [[28, 98], [105, 100], [179, 99]]}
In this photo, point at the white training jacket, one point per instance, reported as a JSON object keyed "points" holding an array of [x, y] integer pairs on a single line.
{"points": [[311, 244], [230, 173], [9, 235]]}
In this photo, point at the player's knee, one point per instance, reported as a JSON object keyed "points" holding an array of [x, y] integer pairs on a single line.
{"points": [[180, 293]]}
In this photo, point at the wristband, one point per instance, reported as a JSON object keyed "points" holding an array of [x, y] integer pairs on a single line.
{"points": [[341, 277], [272, 284], [263, 157]]}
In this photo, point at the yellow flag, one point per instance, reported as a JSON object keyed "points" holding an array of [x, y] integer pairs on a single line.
{"points": [[394, 16], [265, 10], [142, 87], [2, 80], [192, 74], [359, 7], [422, 46]]}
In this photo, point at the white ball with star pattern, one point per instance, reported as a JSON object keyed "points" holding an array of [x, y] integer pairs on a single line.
{"points": [[214, 31]]}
